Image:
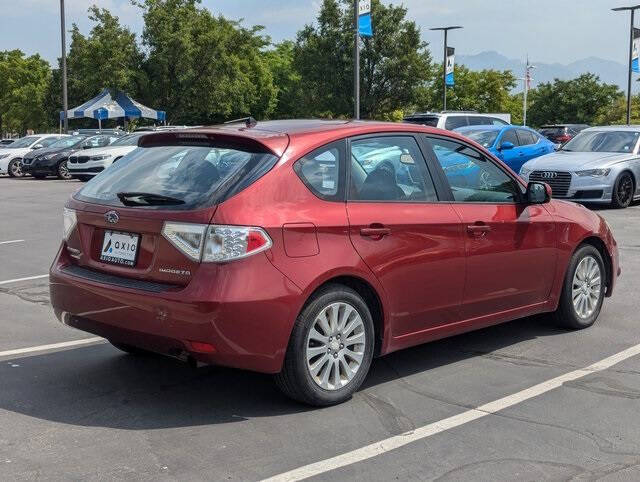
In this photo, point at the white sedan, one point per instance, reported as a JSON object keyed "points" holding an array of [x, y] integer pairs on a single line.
{"points": [[11, 155]]}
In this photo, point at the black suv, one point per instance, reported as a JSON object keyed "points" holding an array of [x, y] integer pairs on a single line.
{"points": [[52, 161]]}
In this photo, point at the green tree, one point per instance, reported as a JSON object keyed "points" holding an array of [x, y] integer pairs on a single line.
{"points": [[583, 100], [395, 63], [481, 90], [204, 68], [286, 80], [23, 85]]}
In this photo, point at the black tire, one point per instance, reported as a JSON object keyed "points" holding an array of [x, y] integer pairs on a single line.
{"points": [[295, 380], [39, 176], [566, 315], [63, 171], [14, 169], [623, 190], [131, 350]]}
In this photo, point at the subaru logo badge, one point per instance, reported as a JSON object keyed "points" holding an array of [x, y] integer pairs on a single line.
{"points": [[549, 175], [111, 217]]}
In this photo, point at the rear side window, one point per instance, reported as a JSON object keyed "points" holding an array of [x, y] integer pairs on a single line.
{"points": [[320, 170], [526, 137], [476, 120], [430, 121], [177, 177], [455, 121]]}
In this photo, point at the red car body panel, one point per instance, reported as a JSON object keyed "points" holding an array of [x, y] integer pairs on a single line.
{"points": [[445, 268]]}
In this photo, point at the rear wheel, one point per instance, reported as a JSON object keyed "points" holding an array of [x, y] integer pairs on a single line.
{"points": [[15, 168], [583, 290], [330, 349], [623, 190], [63, 171]]}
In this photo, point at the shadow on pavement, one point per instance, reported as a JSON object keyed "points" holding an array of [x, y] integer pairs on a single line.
{"points": [[100, 386]]}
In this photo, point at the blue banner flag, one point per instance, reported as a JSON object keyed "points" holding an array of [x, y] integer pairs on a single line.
{"points": [[450, 66], [364, 18], [635, 64]]}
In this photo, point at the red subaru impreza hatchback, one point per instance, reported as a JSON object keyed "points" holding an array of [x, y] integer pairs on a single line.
{"points": [[306, 248]]}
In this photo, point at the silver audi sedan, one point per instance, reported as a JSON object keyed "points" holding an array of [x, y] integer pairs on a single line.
{"points": [[599, 165]]}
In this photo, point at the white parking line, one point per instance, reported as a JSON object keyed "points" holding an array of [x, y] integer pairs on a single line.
{"points": [[392, 443], [16, 280], [52, 346], [12, 241]]}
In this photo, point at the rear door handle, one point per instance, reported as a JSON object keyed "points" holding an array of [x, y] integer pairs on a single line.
{"points": [[375, 232], [478, 230]]}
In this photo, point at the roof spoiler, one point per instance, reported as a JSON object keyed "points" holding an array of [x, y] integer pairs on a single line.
{"points": [[248, 121]]}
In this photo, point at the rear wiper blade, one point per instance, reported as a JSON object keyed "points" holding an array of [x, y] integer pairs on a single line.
{"points": [[146, 199]]}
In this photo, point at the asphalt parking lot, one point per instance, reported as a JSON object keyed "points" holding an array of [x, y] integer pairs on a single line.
{"points": [[84, 410]]}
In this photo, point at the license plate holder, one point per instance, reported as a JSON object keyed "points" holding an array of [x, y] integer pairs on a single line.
{"points": [[120, 248]]}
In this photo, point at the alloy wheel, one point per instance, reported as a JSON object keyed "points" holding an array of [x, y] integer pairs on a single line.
{"points": [[16, 169], [63, 170], [335, 346], [586, 287], [624, 191]]}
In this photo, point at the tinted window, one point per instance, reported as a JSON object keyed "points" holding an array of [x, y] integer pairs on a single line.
{"points": [[130, 140], [195, 176], [431, 121], [475, 120], [455, 121], [603, 141], [510, 136], [471, 176], [526, 138], [498, 122], [389, 169], [320, 170], [24, 142], [67, 141]]}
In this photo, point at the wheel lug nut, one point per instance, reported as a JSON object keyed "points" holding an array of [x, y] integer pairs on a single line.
{"points": [[330, 338], [335, 355], [341, 345]]}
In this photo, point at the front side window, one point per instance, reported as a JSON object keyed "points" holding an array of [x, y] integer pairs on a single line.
{"points": [[471, 176], [510, 136], [389, 168], [320, 171]]}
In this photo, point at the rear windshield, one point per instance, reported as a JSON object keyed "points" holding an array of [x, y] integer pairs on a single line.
{"points": [[431, 121], [177, 177]]}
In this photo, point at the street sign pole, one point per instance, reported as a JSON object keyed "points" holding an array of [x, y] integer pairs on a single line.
{"points": [[444, 63], [356, 60], [632, 10], [65, 105]]}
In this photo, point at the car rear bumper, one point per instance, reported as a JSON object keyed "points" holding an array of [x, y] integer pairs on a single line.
{"points": [[245, 310]]}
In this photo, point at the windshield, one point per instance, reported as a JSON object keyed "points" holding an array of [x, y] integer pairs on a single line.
{"points": [[603, 141], [67, 142], [192, 176], [484, 137], [130, 140], [24, 142]]}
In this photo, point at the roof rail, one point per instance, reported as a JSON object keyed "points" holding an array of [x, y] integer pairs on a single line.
{"points": [[459, 112], [248, 121]]}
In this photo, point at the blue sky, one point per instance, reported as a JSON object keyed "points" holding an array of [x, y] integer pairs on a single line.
{"points": [[549, 30]]}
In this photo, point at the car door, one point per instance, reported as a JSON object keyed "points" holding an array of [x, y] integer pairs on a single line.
{"points": [[510, 245], [511, 157], [411, 241]]}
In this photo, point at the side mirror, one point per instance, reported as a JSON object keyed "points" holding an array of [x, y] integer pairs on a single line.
{"points": [[37, 146], [538, 193], [506, 145]]}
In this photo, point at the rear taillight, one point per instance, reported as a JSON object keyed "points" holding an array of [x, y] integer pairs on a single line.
{"points": [[564, 138], [216, 243], [69, 222]]}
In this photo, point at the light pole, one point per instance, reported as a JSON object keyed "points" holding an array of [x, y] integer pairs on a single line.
{"points": [[633, 11], [444, 63], [356, 62], [527, 81], [65, 105]]}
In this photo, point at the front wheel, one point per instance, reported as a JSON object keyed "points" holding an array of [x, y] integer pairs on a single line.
{"points": [[63, 171], [583, 289], [623, 190], [15, 168], [330, 349]]}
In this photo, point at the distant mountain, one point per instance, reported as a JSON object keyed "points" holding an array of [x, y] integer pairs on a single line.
{"points": [[609, 71]]}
